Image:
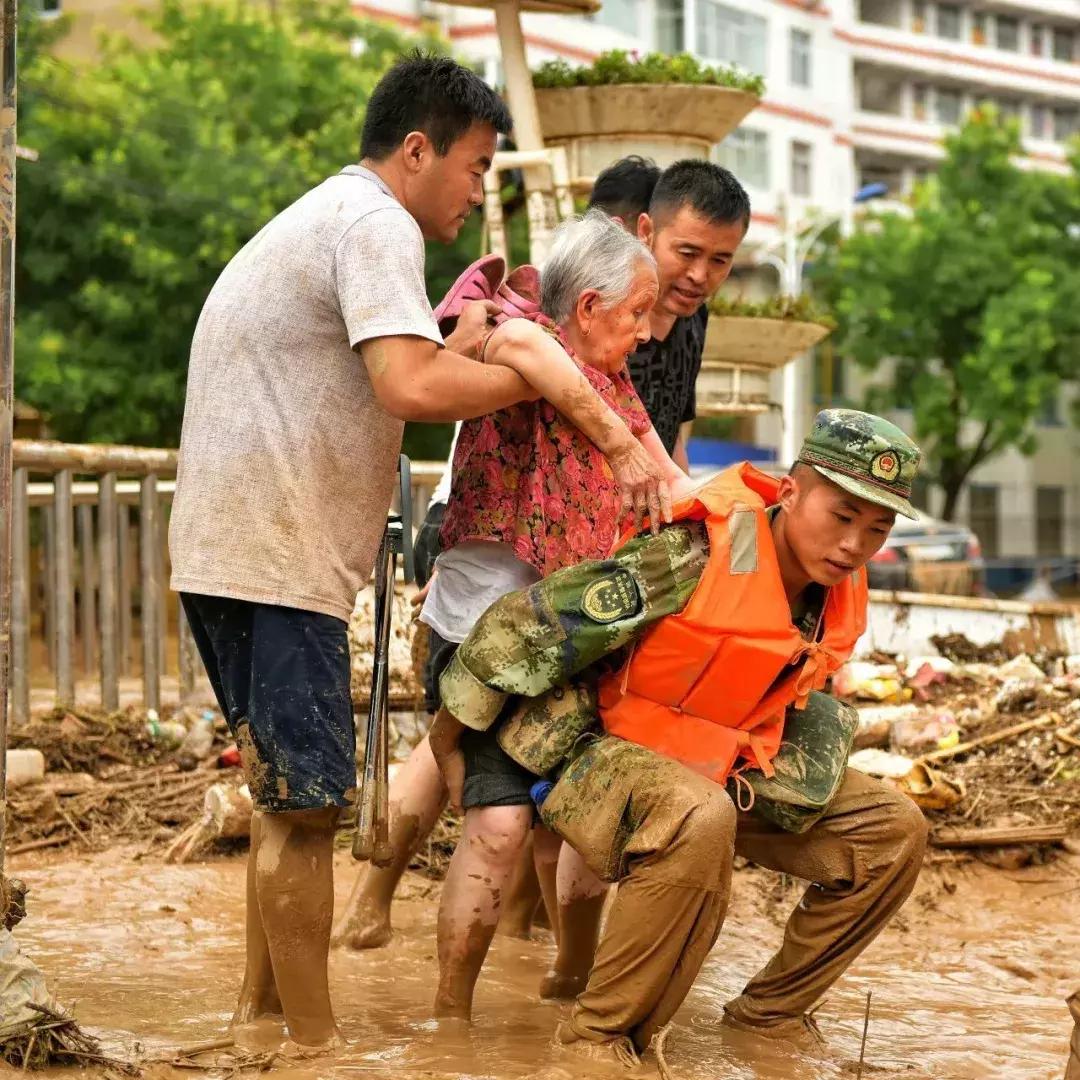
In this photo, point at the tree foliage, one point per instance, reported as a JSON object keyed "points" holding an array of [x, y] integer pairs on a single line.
{"points": [[968, 309], [156, 165]]}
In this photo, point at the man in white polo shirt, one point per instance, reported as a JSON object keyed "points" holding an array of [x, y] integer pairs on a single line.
{"points": [[314, 346]]}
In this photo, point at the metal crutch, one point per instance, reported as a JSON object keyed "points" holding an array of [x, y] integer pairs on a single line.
{"points": [[371, 840]]}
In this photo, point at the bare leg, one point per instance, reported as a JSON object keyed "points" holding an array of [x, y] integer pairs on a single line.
{"points": [[546, 846], [482, 865], [581, 903], [417, 798], [258, 995], [294, 884], [521, 896]]}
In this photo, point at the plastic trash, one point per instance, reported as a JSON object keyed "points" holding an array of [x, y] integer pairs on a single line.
{"points": [[923, 733], [869, 682], [197, 743], [167, 734], [876, 723], [26, 766]]}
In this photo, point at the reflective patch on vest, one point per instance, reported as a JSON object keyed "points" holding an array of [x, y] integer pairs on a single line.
{"points": [[742, 527], [611, 598]]}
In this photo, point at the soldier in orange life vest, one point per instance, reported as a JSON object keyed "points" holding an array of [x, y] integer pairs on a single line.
{"points": [[726, 627]]}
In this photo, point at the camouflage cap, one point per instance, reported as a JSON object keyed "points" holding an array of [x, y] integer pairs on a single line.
{"points": [[864, 454]]}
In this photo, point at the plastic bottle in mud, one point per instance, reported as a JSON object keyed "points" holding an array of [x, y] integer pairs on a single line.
{"points": [[168, 734], [197, 744]]}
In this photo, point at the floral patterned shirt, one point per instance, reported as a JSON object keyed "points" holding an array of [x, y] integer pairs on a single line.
{"points": [[527, 477]]}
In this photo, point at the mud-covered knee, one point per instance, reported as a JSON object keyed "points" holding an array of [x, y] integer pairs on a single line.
{"points": [[904, 831], [498, 841], [711, 821]]}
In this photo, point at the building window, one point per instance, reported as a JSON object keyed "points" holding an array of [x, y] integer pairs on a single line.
{"points": [[670, 26], [51, 8], [920, 101], [801, 70], [1065, 124], [948, 21], [983, 516], [1008, 33], [746, 153], [732, 36], [979, 28], [948, 105], [802, 166], [1039, 123], [918, 16], [622, 15], [1064, 44], [1049, 521], [1037, 37]]}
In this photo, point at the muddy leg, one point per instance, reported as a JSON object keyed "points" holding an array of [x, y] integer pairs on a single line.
{"points": [[483, 863], [580, 905], [546, 847], [417, 798], [522, 895], [295, 889], [258, 995]]}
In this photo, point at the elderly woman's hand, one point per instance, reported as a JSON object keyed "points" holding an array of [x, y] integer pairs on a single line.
{"points": [[471, 326], [642, 484]]}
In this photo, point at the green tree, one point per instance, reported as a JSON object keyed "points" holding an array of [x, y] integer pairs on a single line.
{"points": [[968, 309], [156, 165]]}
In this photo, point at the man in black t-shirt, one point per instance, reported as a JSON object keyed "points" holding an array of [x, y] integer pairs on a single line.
{"points": [[693, 216]]}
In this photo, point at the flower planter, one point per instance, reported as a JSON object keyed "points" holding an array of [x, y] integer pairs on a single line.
{"points": [[664, 121], [741, 354]]}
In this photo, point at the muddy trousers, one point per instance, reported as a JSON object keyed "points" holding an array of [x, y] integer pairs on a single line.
{"points": [[1072, 1070], [862, 859]]}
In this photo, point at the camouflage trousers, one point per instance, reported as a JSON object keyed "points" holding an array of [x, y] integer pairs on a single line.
{"points": [[1072, 1070], [668, 836]]}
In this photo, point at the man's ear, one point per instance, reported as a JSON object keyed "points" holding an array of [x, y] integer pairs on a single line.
{"points": [[646, 230], [415, 149], [788, 494]]}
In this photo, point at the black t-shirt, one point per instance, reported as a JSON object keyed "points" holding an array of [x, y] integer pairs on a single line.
{"points": [[664, 374]]}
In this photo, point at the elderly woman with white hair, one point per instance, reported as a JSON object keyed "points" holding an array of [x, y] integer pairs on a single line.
{"points": [[530, 495]]}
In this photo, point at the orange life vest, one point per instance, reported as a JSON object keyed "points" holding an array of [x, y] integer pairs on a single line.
{"points": [[709, 686]]}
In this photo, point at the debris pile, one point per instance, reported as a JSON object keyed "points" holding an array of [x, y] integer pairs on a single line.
{"points": [[989, 746], [404, 685], [122, 776]]}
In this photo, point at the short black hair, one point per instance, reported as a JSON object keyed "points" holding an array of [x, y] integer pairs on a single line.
{"points": [[623, 190], [432, 94], [709, 189]]}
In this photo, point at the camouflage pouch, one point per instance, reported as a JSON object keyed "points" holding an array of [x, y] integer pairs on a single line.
{"points": [[589, 806], [809, 765], [541, 732]]}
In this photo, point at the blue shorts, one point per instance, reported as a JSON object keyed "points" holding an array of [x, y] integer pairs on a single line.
{"points": [[281, 676]]}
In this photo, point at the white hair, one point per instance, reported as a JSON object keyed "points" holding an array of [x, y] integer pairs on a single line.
{"points": [[589, 252]]}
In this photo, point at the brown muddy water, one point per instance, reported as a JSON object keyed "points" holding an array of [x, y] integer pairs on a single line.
{"points": [[968, 984]]}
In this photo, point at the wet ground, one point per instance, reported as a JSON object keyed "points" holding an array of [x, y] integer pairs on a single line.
{"points": [[967, 985]]}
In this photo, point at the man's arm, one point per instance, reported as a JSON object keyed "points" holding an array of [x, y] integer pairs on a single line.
{"points": [[416, 380], [532, 640]]}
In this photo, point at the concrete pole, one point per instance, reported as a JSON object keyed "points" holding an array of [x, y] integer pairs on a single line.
{"points": [[539, 192]]}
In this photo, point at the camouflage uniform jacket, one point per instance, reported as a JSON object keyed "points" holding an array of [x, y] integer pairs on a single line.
{"points": [[539, 643]]}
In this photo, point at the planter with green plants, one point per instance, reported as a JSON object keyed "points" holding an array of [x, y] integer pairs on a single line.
{"points": [[663, 107], [746, 342]]}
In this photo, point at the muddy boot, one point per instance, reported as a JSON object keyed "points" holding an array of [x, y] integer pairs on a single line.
{"points": [[801, 1034], [615, 1057]]}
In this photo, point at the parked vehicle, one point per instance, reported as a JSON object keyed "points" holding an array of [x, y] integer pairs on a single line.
{"points": [[929, 556]]}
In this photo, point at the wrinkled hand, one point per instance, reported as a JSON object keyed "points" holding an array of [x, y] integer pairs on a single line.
{"points": [[471, 325], [643, 487]]}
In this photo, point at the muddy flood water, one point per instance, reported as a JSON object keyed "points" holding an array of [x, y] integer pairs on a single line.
{"points": [[966, 984]]}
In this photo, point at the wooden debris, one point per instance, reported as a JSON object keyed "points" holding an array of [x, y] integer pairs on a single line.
{"points": [[995, 737], [999, 837]]}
